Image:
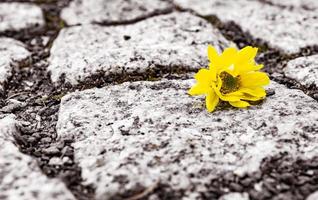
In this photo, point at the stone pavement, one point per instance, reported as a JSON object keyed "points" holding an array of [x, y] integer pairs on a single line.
{"points": [[94, 103]]}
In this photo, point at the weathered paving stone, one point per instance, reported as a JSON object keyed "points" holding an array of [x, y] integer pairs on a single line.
{"points": [[163, 43], [112, 11], [304, 70], [281, 27], [12, 54], [132, 136], [20, 177], [18, 16]]}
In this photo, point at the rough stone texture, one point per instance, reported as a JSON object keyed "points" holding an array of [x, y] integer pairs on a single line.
{"points": [[303, 4], [112, 11], [164, 43], [235, 196], [17, 16], [304, 70], [281, 28], [20, 177], [134, 135], [12, 54]]}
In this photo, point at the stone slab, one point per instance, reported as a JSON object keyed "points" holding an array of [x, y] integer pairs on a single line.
{"points": [[163, 43], [13, 54], [20, 177], [304, 70], [18, 16], [285, 29], [134, 135], [112, 11]]}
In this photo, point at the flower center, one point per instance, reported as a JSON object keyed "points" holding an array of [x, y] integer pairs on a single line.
{"points": [[229, 83]]}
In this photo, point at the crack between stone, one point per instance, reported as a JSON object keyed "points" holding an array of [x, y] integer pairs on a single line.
{"points": [[40, 104]]}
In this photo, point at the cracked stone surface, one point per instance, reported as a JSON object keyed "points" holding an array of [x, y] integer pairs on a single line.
{"points": [[281, 28], [13, 54], [304, 70], [112, 11], [20, 177], [18, 16], [134, 135], [164, 43]]}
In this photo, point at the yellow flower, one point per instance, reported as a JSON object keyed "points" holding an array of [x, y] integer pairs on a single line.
{"points": [[232, 76]]}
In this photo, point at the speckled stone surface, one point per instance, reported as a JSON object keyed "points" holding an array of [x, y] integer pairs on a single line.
{"points": [[296, 4], [304, 70], [20, 176], [285, 29], [18, 16], [112, 11], [134, 135], [163, 43], [12, 54]]}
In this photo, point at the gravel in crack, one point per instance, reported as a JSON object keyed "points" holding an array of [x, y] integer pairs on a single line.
{"points": [[130, 137], [31, 96], [20, 176], [113, 11], [164, 43]]}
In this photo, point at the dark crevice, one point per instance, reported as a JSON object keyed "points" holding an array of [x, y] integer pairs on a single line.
{"points": [[99, 79], [39, 101]]}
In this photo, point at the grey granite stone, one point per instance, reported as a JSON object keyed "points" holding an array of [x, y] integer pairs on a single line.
{"points": [[112, 11], [13, 54], [296, 4], [163, 43], [17, 16], [285, 29], [20, 177], [138, 134], [304, 70]]}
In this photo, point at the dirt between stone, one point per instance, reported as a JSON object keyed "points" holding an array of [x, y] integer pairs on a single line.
{"points": [[281, 176]]}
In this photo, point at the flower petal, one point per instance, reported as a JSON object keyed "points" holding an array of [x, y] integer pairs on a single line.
{"points": [[211, 100], [198, 90], [213, 55], [228, 58], [205, 76], [254, 79], [247, 54], [239, 104], [257, 91], [247, 67]]}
